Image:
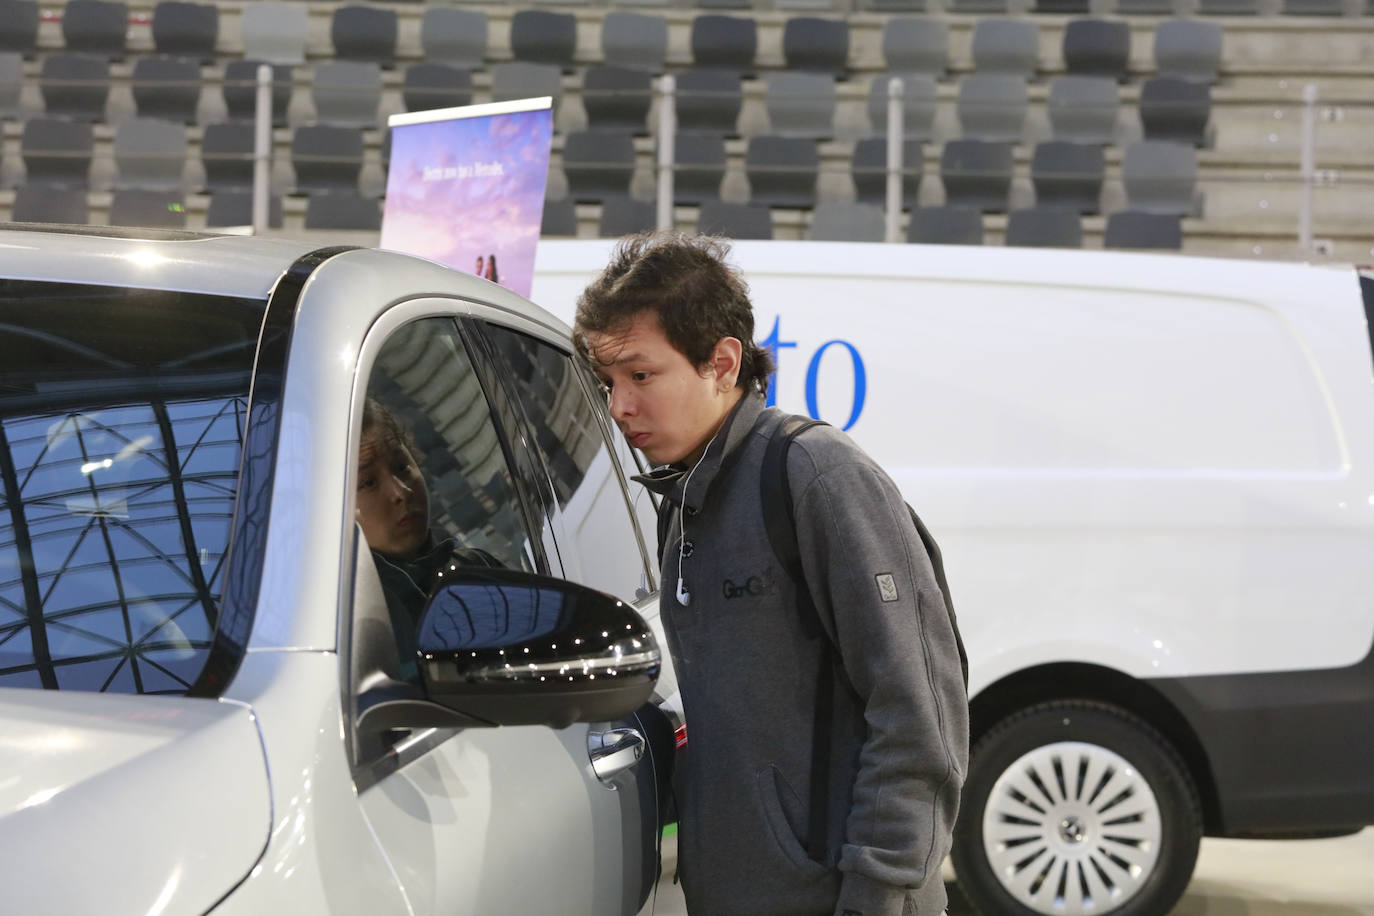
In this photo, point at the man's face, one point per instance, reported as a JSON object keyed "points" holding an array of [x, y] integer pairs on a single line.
{"points": [[662, 403], [393, 502]]}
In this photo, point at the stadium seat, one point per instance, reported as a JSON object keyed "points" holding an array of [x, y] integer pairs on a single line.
{"points": [[274, 32], [544, 37], [722, 4], [428, 86], [1146, 7], [782, 171], [326, 158], [347, 92], [57, 152], [868, 166], [1188, 49], [97, 27], [241, 90], [1136, 229], [698, 167], [1068, 175], [11, 85], [1160, 177], [1044, 227], [364, 33], [634, 40], [724, 42], [920, 99], [1228, 7], [1061, 7], [800, 104], [978, 7], [816, 45], [952, 224], [977, 173], [914, 44], [226, 151], [625, 216], [75, 86], [1006, 46], [150, 154], [709, 100], [600, 164], [19, 27], [343, 210], [993, 106], [617, 98], [1313, 8], [1083, 108], [1097, 47], [149, 209], [1175, 109], [456, 38], [183, 29], [166, 87], [559, 219], [847, 221], [896, 6], [736, 221], [39, 203], [235, 208], [520, 79]]}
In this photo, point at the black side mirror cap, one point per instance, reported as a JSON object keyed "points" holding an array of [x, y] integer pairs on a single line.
{"points": [[514, 648]]}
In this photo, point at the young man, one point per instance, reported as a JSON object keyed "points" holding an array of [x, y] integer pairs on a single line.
{"points": [[668, 328]]}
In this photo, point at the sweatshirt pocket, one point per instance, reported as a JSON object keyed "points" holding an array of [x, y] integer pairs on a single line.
{"points": [[785, 814]]}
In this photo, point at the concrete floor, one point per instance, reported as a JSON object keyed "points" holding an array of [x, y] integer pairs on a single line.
{"points": [[1233, 878]]}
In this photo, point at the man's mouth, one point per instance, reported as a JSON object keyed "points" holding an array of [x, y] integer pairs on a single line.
{"points": [[637, 439]]}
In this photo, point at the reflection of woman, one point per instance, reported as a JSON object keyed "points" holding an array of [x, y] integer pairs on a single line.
{"points": [[479, 271], [393, 511], [492, 275]]}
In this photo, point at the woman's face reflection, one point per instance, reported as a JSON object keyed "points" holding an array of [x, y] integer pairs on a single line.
{"points": [[393, 502]]}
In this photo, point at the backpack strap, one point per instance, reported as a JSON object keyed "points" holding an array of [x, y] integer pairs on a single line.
{"points": [[780, 521]]}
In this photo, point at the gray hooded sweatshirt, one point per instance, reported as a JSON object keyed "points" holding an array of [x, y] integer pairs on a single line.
{"points": [[747, 669]]}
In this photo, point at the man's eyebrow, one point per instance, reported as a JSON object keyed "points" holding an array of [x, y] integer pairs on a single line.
{"points": [[628, 358]]}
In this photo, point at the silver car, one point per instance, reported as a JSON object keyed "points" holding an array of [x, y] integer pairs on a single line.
{"points": [[216, 693]]}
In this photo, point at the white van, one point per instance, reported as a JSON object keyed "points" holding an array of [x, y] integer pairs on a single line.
{"points": [[1152, 478]]}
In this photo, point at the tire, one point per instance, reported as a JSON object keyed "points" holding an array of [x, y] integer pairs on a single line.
{"points": [[1109, 823]]}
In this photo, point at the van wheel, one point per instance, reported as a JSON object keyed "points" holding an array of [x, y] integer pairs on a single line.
{"points": [[1076, 807]]}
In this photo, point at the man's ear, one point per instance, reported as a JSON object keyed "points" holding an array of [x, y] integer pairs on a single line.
{"points": [[725, 361]]}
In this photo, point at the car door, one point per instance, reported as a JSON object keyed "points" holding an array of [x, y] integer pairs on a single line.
{"points": [[482, 820]]}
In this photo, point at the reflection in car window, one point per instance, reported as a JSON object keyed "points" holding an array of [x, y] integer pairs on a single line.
{"points": [[121, 418], [583, 472], [434, 489]]}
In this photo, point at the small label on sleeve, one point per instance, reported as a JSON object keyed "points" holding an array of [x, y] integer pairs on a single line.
{"points": [[887, 586]]}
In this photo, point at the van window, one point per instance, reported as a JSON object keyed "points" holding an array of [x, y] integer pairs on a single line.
{"points": [[121, 425]]}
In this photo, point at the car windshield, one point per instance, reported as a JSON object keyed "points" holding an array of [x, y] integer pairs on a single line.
{"points": [[121, 428]]}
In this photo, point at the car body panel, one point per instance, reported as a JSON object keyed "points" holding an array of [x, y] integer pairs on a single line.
{"points": [[162, 801]]}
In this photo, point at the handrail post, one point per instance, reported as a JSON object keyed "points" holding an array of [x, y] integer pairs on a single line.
{"points": [[667, 133], [1308, 166], [262, 149], [896, 131]]}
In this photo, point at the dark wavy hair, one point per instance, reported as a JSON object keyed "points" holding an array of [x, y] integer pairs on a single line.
{"points": [[685, 281]]}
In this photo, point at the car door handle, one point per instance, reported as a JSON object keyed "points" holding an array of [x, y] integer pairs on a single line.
{"points": [[614, 751]]}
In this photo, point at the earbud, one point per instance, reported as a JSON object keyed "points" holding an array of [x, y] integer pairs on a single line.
{"points": [[684, 597]]}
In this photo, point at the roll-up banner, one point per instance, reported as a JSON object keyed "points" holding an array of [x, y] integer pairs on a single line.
{"points": [[466, 187]]}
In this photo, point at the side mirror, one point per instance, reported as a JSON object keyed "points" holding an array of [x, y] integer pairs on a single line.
{"points": [[510, 648]]}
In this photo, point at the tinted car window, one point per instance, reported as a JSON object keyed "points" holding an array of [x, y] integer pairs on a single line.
{"points": [[121, 420], [583, 472]]}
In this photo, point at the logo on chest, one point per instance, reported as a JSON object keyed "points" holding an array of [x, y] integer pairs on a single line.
{"points": [[749, 586]]}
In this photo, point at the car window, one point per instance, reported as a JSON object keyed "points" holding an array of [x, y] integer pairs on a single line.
{"points": [[434, 487], [121, 427], [582, 469]]}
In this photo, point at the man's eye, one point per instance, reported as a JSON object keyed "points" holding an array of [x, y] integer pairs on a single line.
{"points": [[367, 483], [641, 376]]}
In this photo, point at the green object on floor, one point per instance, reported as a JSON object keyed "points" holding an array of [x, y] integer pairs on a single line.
{"points": [[670, 830]]}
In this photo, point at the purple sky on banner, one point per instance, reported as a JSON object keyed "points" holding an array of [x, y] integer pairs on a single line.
{"points": [[468, 188]]}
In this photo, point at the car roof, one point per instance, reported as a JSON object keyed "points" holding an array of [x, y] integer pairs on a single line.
{"points": [[150, 259]]}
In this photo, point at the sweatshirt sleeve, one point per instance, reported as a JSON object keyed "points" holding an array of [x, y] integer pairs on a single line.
{"points": [[874, 585]]}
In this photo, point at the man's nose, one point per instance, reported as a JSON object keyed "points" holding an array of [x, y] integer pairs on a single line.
{"points": [[622, 404], [396, 489]]}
